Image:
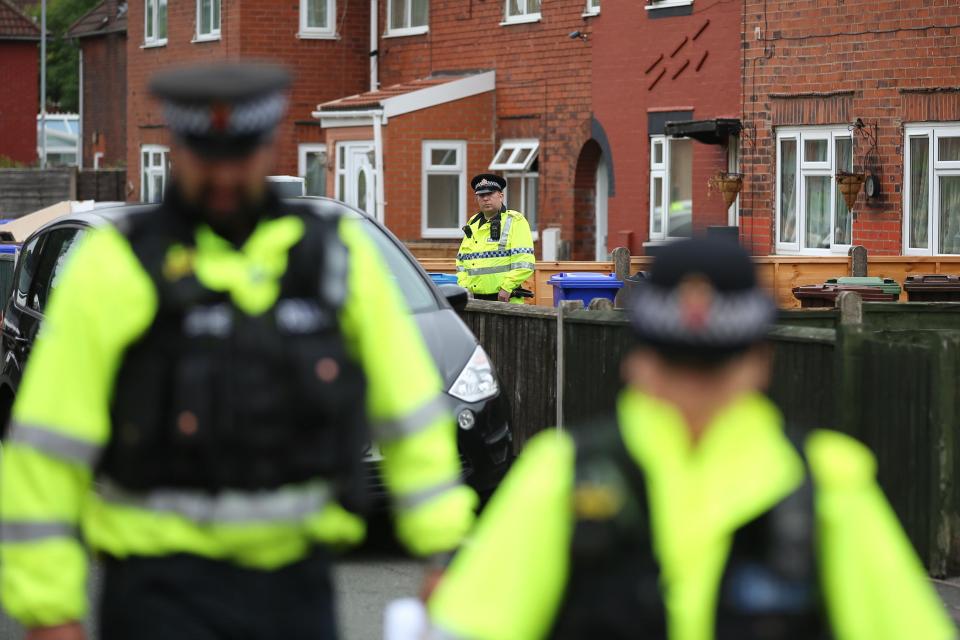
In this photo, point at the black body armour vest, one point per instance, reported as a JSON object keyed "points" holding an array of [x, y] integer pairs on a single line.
{"points": [[769, 590], [211, 398]]}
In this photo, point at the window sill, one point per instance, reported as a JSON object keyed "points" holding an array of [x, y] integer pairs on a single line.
{"points": [[523, 20], [153, 45], [308, 35], [667, 4], [208, 38], [404, 33], [590, 14]]}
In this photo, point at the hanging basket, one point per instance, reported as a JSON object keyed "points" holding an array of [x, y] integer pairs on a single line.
{"points": [[849, 185], [728, 184]]}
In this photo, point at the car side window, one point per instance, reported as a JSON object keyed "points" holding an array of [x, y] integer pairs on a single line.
{"points": [[53, 255], [69, 244], [29, 258]]}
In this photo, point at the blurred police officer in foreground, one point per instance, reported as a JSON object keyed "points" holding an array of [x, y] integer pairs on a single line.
{"points": [[196, 404], [691, 515], [496, 255]]}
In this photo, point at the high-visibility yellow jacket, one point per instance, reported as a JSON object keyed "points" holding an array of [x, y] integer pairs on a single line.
{"points": [[61, 424], [485, 265], [508, 580]]}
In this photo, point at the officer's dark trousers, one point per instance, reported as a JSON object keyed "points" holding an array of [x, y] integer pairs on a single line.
{"points": [[190, 598]]}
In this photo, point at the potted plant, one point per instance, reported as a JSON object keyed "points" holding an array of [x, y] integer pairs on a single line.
{"points": [[728, 184], [849, 185]]}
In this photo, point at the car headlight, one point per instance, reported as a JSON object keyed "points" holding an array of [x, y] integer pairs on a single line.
{"points": [[477, 381]]}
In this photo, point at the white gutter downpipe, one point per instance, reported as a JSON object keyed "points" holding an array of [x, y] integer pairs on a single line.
{"points": [[374, 41], [80, 124]]}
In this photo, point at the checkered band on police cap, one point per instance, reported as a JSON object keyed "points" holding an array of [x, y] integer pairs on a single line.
{"points": [[255, 116]]}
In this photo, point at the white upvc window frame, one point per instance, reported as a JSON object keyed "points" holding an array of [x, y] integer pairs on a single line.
{"points": [[152, 9], [809, 168], [518, 155], [653, 5], [533, 217], [523, 17], [592, 8], [328, 32], [408, 30], [459, 169], [302, 151], [733, 166], [216, 7], [936, 169], [149, 172], [662, 170]]}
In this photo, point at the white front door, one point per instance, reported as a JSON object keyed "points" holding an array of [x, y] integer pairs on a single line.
{"points": [[357, 175], [600, 206]]}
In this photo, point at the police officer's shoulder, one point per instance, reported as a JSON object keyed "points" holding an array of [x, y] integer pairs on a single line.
{"points": [[839, 461], [515, 214]]}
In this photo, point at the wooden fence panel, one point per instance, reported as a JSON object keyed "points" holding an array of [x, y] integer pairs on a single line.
{"points": [[594, 344], [803, 384], [103, 185]]}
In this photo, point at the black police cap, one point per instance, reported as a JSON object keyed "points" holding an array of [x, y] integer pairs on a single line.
{"points": [[701, 302], [487, 183], [226, 108]]}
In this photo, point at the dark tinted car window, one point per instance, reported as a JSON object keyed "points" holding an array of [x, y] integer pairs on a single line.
{"points": [[70, 241], [53, 254], [415, 291], [7, 264], [29, 258]]}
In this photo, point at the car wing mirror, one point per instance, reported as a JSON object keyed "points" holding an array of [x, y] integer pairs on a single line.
{"points": [[456, 295]]}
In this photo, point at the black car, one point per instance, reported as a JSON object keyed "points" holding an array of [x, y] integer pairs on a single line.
{"points": [[469, 378]]}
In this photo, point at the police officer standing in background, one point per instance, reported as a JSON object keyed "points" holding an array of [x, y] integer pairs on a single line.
{"points": [[196, 404], [689, 514], [496, 255]]}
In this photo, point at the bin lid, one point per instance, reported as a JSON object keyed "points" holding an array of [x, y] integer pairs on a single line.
{"points": [[585, 280], [832, 290], [932, 282], [888, 285]]}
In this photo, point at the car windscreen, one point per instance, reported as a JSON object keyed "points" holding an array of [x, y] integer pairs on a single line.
{"points": [[415, 291]]}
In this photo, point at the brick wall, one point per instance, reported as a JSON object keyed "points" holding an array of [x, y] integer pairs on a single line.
{"points": [[543, 88], [19, 100], [324, 69], [642, 65], [105, 99], [899, 69]]}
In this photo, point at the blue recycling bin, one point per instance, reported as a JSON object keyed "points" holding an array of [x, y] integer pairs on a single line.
{"points": [[443, 278], [584, 286]]}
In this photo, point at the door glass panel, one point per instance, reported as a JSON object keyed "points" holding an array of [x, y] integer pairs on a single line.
{"points": [[443, 201], [362, 190], [815, 150], [949, 214], [817, 193], [843, 231], [680, 214], [788, 190], [919, 191]]}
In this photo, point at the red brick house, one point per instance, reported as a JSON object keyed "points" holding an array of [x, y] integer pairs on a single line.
{"points": [[19, 77], [102, 37], [666, 89], [838, 88]]}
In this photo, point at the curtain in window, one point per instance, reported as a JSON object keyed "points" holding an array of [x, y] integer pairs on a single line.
{"points": [[817, 193], [919, 191], [788, 191], [843, 231], [316, 175], [949, 214], [317, 14]]}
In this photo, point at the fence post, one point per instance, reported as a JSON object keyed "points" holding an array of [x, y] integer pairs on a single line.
{"points": [[858, 263], [849, 354], [621, 268], [564, 304]]}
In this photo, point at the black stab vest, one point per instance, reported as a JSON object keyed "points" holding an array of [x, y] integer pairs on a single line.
{"points": [[769, 589], [211, 398]]}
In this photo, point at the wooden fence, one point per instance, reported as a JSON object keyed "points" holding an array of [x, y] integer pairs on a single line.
{"points": [[890, 380]]}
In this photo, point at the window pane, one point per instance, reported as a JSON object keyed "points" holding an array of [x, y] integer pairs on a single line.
{"points": [[680, 218], [817, 194], [419, 13], [162, 19], [206, 23], [443, 157], [522, 155], [657, 153], [949, 214], [657, 205], [843, 230], [515, 7], [317, 13], [530, 201], [514, 196], [815, 150], [533, 6], [919, 191], [397, 17], [443, 201], [148, 10], [504, 155], [949, 150], [216, 15], [315, 180], [788, 191]]}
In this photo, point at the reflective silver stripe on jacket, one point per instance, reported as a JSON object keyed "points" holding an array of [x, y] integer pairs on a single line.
{"points": [[504, 268], [420, 418], [287, 504], [522, 265], [31, 531], [55, 444], [506, 232], [417, 498]]}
